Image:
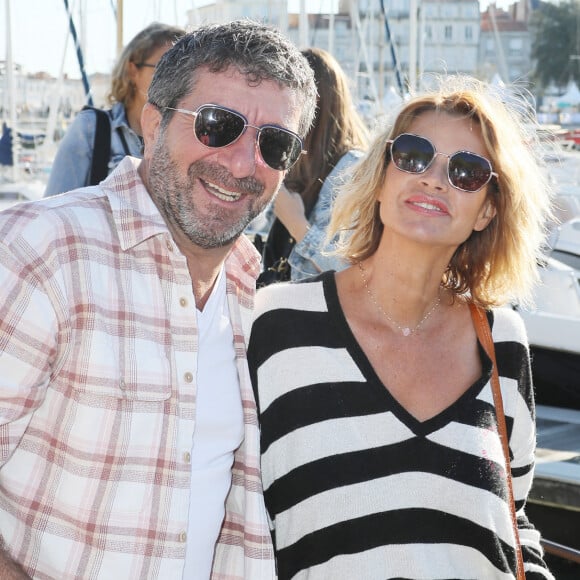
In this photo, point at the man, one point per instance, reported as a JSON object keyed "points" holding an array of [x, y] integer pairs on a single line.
{"points": [[128, 433]]}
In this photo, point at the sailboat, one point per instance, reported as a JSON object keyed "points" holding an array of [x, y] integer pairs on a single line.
{"points": [[553, 328], [17, 183]]}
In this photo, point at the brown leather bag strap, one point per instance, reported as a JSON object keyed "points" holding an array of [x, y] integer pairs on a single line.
{"points": [[481, 324]]}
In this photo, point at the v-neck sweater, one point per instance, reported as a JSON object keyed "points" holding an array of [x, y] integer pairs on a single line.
{"points": [[355, 486]]}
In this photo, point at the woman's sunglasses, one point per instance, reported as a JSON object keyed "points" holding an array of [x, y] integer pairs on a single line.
{"points": [[216, 127], [466, 171]]}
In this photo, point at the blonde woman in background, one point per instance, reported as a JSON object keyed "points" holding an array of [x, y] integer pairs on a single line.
{"points": [[130, 81]]}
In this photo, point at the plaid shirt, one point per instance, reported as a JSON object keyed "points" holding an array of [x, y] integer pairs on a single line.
{"points": [[98, 345]]}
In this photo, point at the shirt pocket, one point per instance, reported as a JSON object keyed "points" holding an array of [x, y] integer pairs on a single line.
{"points": [[131, 368]]}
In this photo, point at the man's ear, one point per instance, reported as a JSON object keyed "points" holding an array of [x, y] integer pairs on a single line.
{"points": [[486, 214], [150, 123]]}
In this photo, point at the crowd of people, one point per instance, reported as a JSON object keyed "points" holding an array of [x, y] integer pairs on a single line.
{"points": [[163, 418]]}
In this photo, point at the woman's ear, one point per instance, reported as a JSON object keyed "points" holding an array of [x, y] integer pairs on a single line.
{"points": [[486, 214], [132, 71], [150, 123]]}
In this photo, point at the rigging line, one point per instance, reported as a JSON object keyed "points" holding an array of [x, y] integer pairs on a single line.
{"points": [[79, 52], [394, 57], [317, 21]]}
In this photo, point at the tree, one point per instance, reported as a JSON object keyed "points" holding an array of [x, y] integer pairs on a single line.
{"points": [[556, 42]]}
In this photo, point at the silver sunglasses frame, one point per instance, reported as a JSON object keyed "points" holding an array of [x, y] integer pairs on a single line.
{"points": [[449, 156], [195, 113]]}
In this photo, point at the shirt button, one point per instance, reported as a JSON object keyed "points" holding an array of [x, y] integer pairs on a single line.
{"points": [[187, 457], [182, 537], [188, 377], [183, 302]]}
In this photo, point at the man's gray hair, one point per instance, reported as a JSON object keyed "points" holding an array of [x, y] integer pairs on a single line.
{"points": [[259, 52]]}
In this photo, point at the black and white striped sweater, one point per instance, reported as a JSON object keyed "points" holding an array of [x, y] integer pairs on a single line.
{"points": [[357, 488]]}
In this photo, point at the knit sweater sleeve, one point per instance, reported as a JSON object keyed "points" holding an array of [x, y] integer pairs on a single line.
{"points": [[513, 360]]}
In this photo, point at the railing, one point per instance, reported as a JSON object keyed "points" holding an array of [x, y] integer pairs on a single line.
{"points": [[561, 551]]}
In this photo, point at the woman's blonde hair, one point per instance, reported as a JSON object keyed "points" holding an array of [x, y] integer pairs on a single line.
{"points": [[138, 50], [499, 264]]}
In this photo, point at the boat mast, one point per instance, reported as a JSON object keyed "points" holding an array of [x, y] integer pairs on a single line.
{"points": [[498, 45], [11, 90], [303, 24], [412, 46], [394, 56], [119, 16], [79, 52]]}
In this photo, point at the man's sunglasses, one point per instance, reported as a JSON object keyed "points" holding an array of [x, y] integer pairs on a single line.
{"points": [[216, 127], [466, 171]]}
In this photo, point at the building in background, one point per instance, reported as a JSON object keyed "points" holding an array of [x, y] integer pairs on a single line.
{"points": [[383, 53], [505, 45], [450, 35], [411, 39]]}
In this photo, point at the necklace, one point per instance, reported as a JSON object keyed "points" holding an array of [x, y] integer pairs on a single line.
{"points": [[404, 329]]}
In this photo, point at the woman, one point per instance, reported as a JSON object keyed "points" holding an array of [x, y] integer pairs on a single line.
{"points": [[380, 449], [130, 81], [295, 247]]}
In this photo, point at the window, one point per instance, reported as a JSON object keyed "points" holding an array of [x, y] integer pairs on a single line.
{"points": [[448, 32], [429, 10], [516, 46], [468, 33], [449, 11], [472, 11]]}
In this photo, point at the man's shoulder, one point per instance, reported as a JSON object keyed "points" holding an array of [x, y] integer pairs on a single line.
{"points": [[47, 217], [243, 261]]}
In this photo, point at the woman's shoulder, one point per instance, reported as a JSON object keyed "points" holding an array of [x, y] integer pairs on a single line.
{"points": [[337, 175], [508, 325], [118, 115], [305, 295], [348, 158], [83, 123]]}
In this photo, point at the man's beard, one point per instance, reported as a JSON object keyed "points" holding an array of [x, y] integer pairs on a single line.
{"points": [[175, 198]]}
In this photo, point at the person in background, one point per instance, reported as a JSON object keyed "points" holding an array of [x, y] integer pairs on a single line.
{"points": [[381, 454], [130, 80], [130, 444], [295, 246]]}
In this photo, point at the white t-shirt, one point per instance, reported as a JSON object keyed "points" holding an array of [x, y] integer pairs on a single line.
{"points": [[219, 430]]}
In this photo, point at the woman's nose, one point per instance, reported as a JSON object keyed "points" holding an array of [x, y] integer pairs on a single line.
{"points": [[436, 173]]}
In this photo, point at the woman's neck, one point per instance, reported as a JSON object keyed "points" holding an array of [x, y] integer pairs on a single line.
{"points": [[133, 112]]}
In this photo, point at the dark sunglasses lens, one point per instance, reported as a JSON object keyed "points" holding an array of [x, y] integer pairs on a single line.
{"points": [[411, 153], [468, 171], [215, 127], [279, 149]]}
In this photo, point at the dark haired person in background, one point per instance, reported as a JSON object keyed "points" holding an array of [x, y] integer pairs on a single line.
{"points": [[296, 246]]}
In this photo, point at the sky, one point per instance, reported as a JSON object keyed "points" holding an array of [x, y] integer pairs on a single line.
{"points": [[40, 29]]}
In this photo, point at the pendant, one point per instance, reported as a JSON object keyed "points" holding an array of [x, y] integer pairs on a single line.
{"points": [[406, 331]]}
